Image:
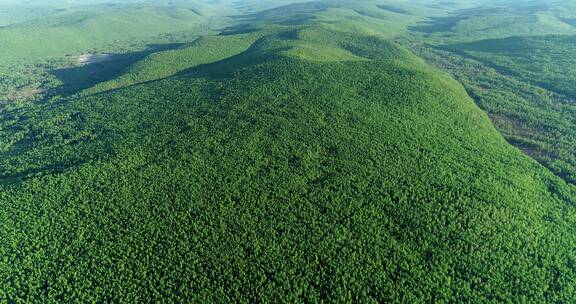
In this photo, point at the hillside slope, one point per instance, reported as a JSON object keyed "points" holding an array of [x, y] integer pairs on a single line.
{"points": [[515, 59], [285, 173], [106, 26]]}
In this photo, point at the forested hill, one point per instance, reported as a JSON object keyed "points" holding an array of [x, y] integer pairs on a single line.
{"points": [[305, 159]]}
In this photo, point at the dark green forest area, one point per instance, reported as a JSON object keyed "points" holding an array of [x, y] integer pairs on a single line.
{"points": [[313, 152], [525, 83]]}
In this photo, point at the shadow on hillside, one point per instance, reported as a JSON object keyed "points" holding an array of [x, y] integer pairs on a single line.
{"points": [[107, 67], [291, 14], [394, 9], [244, 28], [570, 21], [436, 24], [226, 68]]}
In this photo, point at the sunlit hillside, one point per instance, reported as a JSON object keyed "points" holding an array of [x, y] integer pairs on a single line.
{"points": [[287, 152]]}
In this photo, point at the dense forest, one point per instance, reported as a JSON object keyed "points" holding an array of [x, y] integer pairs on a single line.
{"points": [[289, 152]]}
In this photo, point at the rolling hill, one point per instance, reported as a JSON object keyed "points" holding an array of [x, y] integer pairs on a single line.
{"points": [[84, 30], [306, 153]]}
